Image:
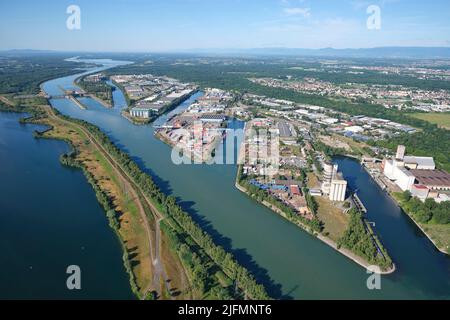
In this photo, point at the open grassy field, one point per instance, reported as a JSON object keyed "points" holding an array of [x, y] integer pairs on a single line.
{"points": [[356, 146], [441, 119], [313, 181], [440, 233], [334, 219]]}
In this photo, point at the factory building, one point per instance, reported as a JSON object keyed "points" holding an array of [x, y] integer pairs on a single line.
{"points": [[404, 178], [338, 189], [417, 175], [333, 184], [433, 179], [420, 191], [419, 163], [141, 112], [400, 152], [219, 118], [329, 170]]}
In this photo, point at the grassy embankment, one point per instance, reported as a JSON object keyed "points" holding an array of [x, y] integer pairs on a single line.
{"points": [[210, 270], [438, 233], [131, 226], [338, 225], [126, 219]]}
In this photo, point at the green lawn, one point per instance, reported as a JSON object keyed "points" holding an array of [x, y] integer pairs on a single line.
{"points": [[441, 119], [440, 233]]}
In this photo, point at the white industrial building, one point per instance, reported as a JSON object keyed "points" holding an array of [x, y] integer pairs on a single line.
{"points": [[354, 129], [338, 189], [402, 177], [327, 175], [333, 184], [398, 169], [141, 112], [419, 163]]}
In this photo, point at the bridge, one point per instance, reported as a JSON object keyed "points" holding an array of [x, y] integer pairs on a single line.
{"points": [[57, 97], [67, 94], [370, 160], [72, 97]]}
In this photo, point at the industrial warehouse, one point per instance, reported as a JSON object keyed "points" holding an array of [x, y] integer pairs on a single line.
{"points": [[418, 175]]}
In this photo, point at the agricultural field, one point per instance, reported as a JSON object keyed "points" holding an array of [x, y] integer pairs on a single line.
{"points": [[441, 119]]}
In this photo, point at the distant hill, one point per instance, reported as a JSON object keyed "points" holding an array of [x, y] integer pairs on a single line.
{"points": [[380, 52]]}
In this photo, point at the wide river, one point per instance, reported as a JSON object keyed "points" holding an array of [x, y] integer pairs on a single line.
{"points": [[289, 261]]}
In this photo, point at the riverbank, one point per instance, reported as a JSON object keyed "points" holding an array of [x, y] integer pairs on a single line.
{"points": [[128, 214], [177, 223], [330, 242], [61, 222], [422, 227], [77, 103], [104, 103], [128, 217], [347, 253]]}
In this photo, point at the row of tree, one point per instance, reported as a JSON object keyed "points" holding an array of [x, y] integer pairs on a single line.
{"points": [[100, 89], [359, 239], [169, 207], [200, 267], [426, 212]]}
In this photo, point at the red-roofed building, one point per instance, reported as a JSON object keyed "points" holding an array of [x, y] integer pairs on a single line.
{"points": [[295, 190]]}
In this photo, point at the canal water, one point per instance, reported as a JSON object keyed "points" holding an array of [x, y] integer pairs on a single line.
{"points": [[419, 264], [290, 262]]}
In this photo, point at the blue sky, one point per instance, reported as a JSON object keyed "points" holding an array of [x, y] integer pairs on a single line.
{"points": [[167, 25]]}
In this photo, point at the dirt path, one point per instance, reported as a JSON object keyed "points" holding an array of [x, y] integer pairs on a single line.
{"points": [[135, 197], [6, 101]]}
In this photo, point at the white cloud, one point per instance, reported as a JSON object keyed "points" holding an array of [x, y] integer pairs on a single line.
{"points": [[304, 12]]}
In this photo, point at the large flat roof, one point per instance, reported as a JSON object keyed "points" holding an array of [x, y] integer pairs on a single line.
{"points": [[439, 178], [421, 161], [284, 129]]}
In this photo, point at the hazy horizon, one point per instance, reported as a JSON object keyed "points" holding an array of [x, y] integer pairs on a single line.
{"points": [[186, 25]]}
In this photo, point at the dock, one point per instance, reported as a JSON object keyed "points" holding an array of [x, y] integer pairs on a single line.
{"points": [[358, 203], [77, 102]]}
